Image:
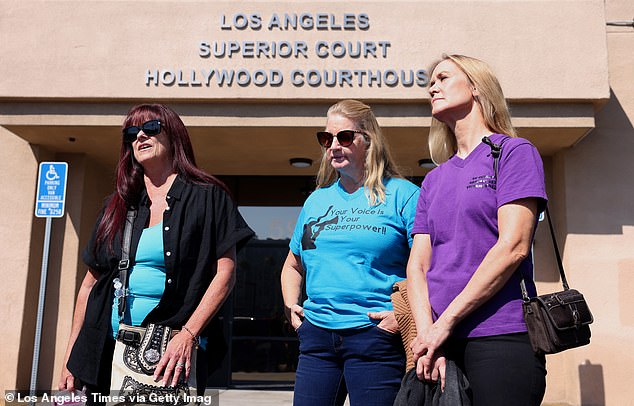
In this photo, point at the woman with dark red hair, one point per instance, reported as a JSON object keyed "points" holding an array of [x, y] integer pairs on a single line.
{"points": [[182, 256]]}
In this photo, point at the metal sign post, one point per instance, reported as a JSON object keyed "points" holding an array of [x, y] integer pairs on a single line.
{"points": [[49, 203]]}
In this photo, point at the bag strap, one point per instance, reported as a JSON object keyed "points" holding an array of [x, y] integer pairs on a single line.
{"points": [[124, 264], [496, 152], [560, 264]]}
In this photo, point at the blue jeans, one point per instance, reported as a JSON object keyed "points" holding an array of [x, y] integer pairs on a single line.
{"points": [[367, 363]]}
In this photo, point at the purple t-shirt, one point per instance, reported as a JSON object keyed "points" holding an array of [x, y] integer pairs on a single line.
{"points": [[457, 207]]}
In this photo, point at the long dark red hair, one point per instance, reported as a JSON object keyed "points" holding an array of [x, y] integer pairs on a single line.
{"points": [[129, 183]]}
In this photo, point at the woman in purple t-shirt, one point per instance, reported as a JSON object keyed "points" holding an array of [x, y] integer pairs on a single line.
{"points": [[472, 241]]}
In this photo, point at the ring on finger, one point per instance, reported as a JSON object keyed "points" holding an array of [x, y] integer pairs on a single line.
{"points": [[180, 364]]}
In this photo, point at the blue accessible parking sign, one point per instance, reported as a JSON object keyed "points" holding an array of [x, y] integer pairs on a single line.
{"points": [[51, 189]]}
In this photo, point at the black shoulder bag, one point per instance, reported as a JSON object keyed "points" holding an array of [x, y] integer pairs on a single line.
{"points": [[555, 321]]}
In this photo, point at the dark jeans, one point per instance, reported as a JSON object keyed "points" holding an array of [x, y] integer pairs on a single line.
{"points": [[502, 370], [368, 363]]}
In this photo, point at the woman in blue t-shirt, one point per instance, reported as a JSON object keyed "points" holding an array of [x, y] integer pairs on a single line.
{"points": [[350, 245], [472, 241]]}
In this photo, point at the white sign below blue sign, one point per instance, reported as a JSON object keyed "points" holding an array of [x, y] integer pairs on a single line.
{"points": [[51, 189]]}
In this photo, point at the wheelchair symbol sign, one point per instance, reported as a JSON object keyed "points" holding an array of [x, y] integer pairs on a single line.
{"points": [[51, 174], [51, 189]]}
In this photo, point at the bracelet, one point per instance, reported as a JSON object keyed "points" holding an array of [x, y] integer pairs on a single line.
{"points": [[195, 338]]}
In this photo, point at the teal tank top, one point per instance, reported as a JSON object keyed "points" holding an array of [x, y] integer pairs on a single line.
{"points": [[146, 279]]}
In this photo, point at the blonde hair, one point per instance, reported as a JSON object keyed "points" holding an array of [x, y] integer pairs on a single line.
{"points": [[378, 159], [490, 99]]}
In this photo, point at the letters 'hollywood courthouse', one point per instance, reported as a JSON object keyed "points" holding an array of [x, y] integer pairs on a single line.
{"points": [[252, 81]]}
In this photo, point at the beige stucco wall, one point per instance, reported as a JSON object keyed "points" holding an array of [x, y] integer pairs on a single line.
{"points": [[596, 223], [16, 221], [20, 263], [109, 46]]}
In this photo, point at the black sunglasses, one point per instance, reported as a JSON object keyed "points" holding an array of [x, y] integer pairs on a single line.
{"points": [[344, 137], [149, 128]]}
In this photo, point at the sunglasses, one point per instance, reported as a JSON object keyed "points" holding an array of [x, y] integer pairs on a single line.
{"points": [[344, 137], [149, 128]]}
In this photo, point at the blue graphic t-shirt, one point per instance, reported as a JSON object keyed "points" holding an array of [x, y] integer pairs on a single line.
{"points": [[353, 253]]}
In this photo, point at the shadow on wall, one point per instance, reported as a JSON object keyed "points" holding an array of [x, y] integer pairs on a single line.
{"points": [[591, 384], [599, 168], [31, 298]]}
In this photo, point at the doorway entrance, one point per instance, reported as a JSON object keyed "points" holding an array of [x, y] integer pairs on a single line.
{"points": [[262, 346]]}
